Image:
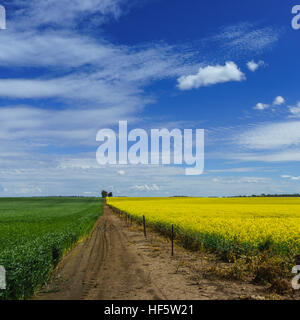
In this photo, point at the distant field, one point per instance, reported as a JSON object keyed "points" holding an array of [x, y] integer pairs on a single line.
{"points": [[238, 226], [35, 233]]}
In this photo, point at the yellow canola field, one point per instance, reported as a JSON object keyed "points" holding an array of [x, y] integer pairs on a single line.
{"points": [[222, 224]]}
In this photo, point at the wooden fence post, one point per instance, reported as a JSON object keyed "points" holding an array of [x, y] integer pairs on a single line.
{"points": [[144, 223], [172, 237]]}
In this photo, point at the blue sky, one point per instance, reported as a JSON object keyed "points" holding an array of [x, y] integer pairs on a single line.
{"points": [[70, 68]]}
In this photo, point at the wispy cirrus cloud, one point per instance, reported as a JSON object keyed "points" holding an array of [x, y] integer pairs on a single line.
{"points": [[271, 135], [64, 13], [71, 126], [247, 38], [146, 187], [237, 170], [293, 178], [87, 69], [292, 155]]}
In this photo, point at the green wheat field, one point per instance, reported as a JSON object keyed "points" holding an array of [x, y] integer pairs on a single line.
{"points": [[34, 235]]}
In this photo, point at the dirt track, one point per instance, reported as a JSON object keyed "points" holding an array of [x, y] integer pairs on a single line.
{"points": [[117, 262]]}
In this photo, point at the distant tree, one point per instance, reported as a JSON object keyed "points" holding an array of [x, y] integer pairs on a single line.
{"points": [[110, 194], [104, 194]]}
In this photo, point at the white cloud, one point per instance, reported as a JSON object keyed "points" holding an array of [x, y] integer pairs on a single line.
{"points": [[278, 101], [48, 127], [290, 177], [253, 66], [255, 179], [62, 13], [115, 74], [237, 170], [271, 136], [28, 190], [146, 187], [242, 180], [245, 38], [295, 110], [121, 172], [78, 164], [283, 156], [261, 106], [210, 75]]}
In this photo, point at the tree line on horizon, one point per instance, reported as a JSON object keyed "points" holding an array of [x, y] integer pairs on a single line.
{"points": [[106, 194]]}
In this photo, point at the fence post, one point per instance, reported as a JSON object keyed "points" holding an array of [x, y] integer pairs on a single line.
{"points": [[172, 237], [144, 223]]}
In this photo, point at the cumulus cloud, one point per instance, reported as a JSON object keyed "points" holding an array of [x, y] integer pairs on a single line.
{"points": [[278, 101], [253, 66], [295, 110], [211, 75], [261, 106]]}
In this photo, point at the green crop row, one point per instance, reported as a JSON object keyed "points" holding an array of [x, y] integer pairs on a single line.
{"points": [[34, 235]]}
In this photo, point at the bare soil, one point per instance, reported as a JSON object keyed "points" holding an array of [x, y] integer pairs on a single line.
{"points": [[117, 262]]}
